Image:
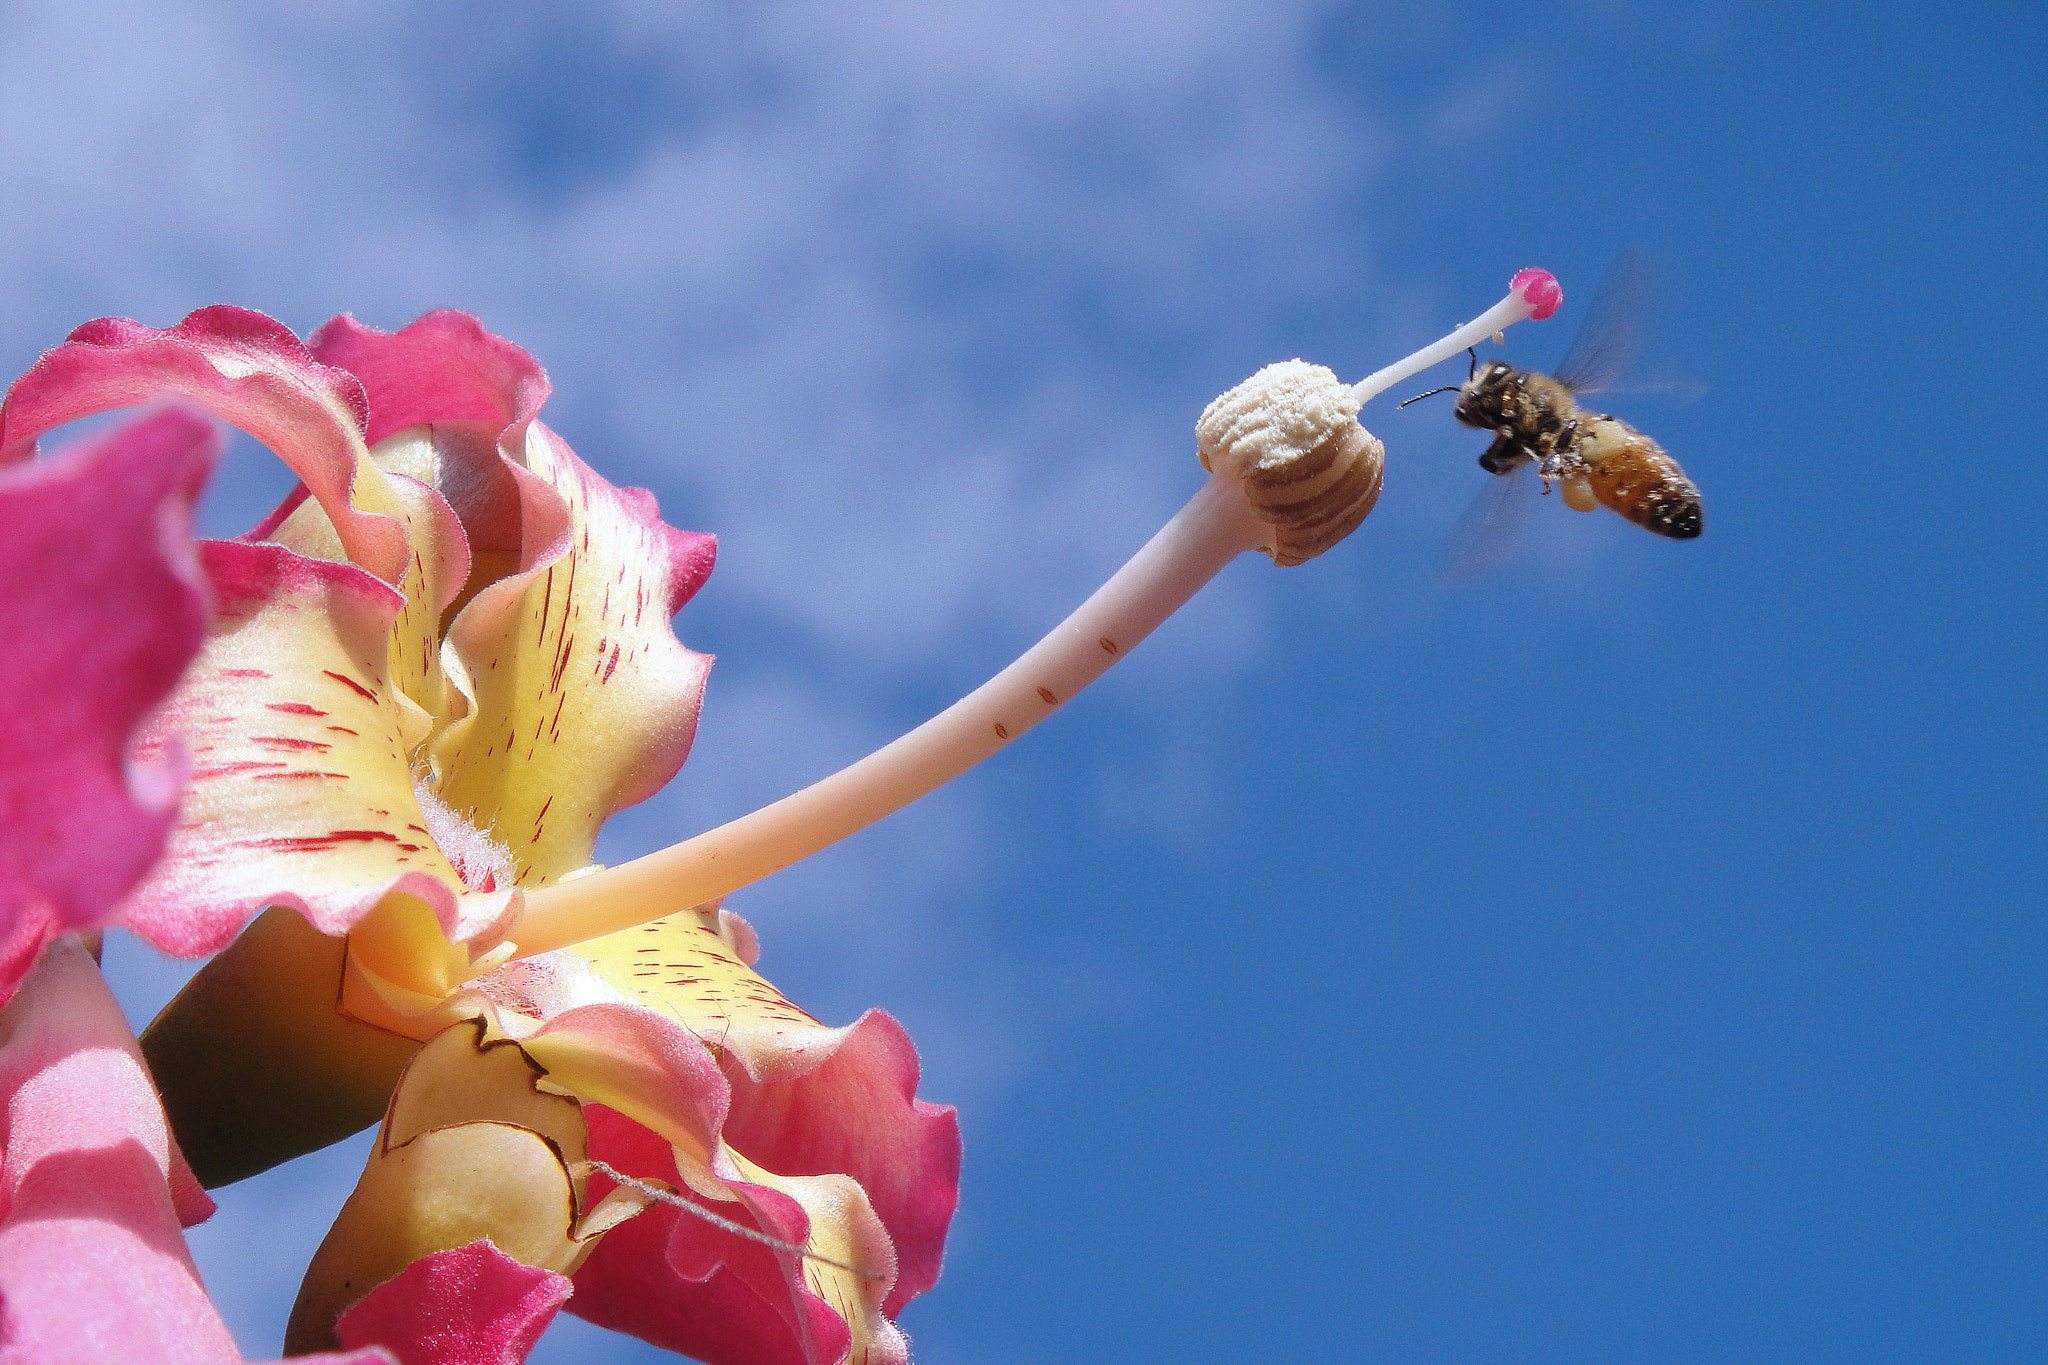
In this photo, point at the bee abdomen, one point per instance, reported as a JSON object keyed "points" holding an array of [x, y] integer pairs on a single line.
{"points": [[1671, 509], [1631, 473]]}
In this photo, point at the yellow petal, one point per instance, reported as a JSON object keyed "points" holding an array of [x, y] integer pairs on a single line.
{"points": [[397, 479], [694, 968], [844, 1232], [581, 699], [302, 790]]}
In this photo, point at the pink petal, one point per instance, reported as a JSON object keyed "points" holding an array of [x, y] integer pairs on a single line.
{"points": [[857, 1114], [471, 1306], [443, 367], [237, 364], [479, 392], [104, 607], [841, 1104], [689, 1286], [92, 1266], [626, 1056]]}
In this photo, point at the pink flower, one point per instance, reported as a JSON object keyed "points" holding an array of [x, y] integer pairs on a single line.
{"points": [[429, 678]]}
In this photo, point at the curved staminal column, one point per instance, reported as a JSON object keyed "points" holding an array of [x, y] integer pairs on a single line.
{"points": [[1291, 473]]}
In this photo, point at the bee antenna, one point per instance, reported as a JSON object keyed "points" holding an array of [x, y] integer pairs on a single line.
{"points": [[1472, 368], [1448, 388]]}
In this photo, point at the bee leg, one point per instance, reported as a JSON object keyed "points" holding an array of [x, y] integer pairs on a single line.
{"points": [[1502, 456], [1560, 463]]}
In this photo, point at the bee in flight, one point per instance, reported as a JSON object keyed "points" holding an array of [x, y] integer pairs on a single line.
{"points": [[1593, 458]]}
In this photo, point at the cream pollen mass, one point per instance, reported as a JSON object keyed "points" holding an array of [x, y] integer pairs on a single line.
{"points": [[1290, 435]]}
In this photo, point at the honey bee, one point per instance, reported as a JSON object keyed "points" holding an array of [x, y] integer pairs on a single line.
{"points": [[1595, 459]]}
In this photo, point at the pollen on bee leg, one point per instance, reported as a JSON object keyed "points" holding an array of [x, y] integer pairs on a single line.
{"points": [[1578, 493]]}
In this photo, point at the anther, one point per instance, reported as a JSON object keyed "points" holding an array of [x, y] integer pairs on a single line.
{"points": [[1290, 434]]}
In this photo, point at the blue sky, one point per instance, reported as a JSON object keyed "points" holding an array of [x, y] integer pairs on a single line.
{"points": [[1634, 956]]}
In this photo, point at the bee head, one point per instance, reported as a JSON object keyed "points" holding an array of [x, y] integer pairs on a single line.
{"points": [[1483, 396]]}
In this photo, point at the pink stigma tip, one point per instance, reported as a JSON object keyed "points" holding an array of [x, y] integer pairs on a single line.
{"points": [[1541, 289]]}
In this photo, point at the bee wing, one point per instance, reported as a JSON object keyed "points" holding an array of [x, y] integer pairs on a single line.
{"points": [[1612, 331], [1489, 529], [1678, 393]]}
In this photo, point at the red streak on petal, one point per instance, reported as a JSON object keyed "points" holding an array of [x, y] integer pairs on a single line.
{"points": [[562, 658], [295, 708], [320, 843], [243, 673], [284, 742], [365, 693], [343, 729], [233, 769]]}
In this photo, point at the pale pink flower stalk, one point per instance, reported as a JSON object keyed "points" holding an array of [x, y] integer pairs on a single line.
{"points": [[1291, 472]]}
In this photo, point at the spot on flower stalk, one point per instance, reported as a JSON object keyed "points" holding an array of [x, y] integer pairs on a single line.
{"points": [[1291, 472]]}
